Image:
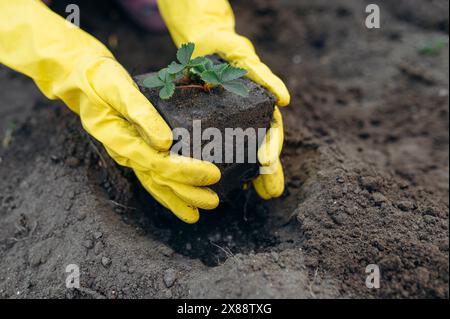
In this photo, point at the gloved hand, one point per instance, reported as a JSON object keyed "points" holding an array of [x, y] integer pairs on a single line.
{"points": [[270, 183], [210, 25], [68, 64]]}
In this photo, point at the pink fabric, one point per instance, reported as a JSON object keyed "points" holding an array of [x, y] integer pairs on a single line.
{"points": [[144, 12]]}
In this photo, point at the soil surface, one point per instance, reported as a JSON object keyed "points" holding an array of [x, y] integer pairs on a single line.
{"points": [[366, 160]]}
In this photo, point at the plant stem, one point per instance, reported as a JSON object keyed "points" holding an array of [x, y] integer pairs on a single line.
{"points": [[192, 86]]}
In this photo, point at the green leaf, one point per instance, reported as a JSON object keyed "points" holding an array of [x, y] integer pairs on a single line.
{"points": [[210, 77], [209, 65], [164, 75], [197, 70], [232, 73], [153, 82], [236, 87], [219, 68], [433, 48], [200, 65], [167, 91], [198, 61], [184, 53], [175, 68]]}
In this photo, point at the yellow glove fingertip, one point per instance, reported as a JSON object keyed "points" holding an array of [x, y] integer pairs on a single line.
{"points": [[274, 183], [213, 201], [214, 174], [276, 188], [261, 74], [189, 217], [270, 186], [271, 148], [282, 94], [260, 189], [163, 139], [160, 139], [165, 196]]}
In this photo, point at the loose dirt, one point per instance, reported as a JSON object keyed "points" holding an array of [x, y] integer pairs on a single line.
{"points": [[366, 162]]}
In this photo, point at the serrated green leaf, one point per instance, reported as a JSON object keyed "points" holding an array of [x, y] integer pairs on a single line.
{"points": [[236, 87], [164, 75], [153, 82], [200, 65], [209, 65], [210, 77], [198, 61], [184, 53], [232, 73], [197, 70], [167, 91], [175, 68], [219, 68]]}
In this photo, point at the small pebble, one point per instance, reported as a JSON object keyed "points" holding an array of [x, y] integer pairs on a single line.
{"points": [[54, 158], [166, 251], [98, 235], [106, 261], [169, 277], [369, 183], [429, 219], [340, 180], [275, 256], [378, 198], [406, 205]]}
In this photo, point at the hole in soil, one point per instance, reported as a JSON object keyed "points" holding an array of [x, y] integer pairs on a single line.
{"points": [[241, 227], [230, 229]]}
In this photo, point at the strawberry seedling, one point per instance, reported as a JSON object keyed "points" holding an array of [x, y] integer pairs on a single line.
{"points": [[198, 73]]}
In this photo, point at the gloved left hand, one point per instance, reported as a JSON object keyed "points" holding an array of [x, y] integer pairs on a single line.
{"points": [[68, 64]]}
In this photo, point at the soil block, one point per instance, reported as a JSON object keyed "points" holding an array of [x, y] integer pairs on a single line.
{"points": [[218, 109]]}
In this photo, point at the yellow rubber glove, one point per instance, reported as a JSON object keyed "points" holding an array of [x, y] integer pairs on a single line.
{"points": [[270, 183], [68, 64], [210, 24]]}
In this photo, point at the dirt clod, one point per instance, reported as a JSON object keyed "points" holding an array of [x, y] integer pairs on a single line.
{"points": [[220, 110]]}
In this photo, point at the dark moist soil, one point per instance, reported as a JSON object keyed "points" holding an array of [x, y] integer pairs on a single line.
{"points": [[221, 110], [366, 161]]}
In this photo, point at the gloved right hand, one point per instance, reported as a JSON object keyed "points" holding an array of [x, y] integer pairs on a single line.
{"points": [[68, 64], [210, 24]]}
